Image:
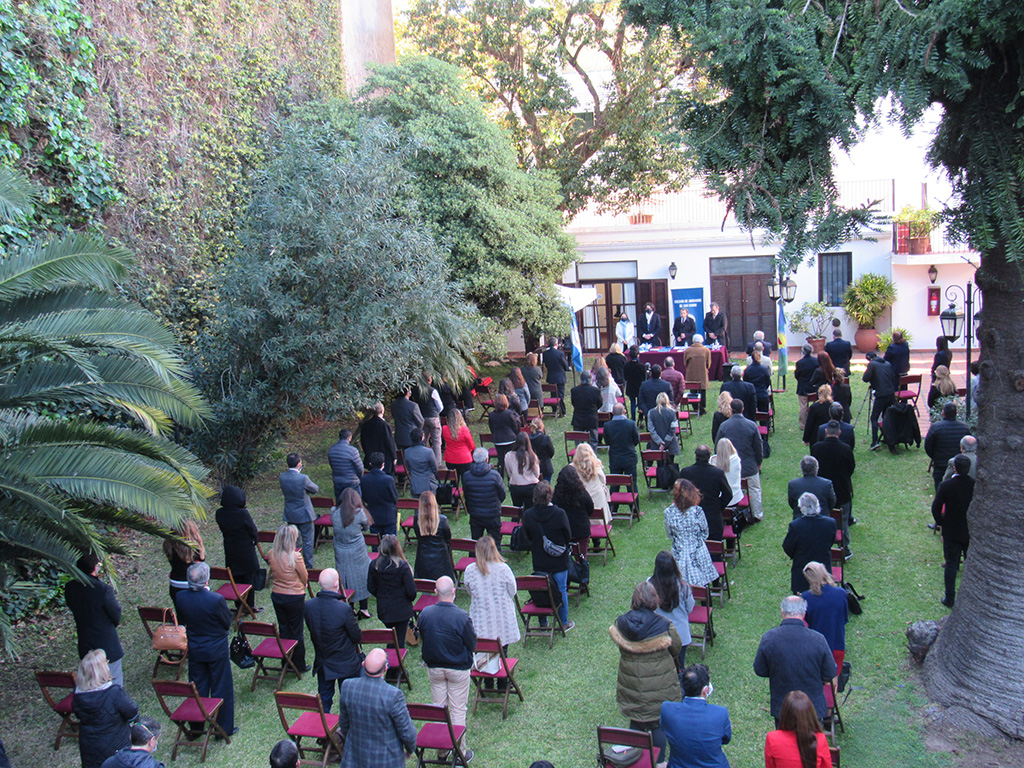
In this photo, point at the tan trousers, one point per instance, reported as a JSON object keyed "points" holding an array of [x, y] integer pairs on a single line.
{"points": [[451, 687], [805, 404]]}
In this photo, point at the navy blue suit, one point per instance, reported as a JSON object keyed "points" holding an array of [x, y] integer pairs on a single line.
{"points": [[207, 620], [380, 495], [696, 732], [652, 327]]}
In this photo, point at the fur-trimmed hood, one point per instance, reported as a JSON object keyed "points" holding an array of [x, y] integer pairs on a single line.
{"points": [[641, 632]]}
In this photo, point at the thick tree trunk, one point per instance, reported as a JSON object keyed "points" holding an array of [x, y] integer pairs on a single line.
{"points": [[976, 667]]}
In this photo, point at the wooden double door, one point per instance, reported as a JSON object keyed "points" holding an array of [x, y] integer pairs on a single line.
{"points": [[744, 300]]}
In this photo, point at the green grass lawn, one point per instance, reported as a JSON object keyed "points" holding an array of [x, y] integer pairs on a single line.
{"points": [[571, 689]]}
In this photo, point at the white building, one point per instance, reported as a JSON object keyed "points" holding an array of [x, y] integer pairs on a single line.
{"points": [[628, 257]]}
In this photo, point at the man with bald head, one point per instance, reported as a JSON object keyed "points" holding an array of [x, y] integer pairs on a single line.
{"points": [[335, 633], [448, 642], [969, 448], [374, 719]]}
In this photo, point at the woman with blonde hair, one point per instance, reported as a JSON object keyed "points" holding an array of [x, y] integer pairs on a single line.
{"points": [[433, 541], [349, 520], [458, 443], [531, 375], [182, 554], [616, 362], [818, 414], [591, 472], [687, 528], [723, 410], [610, 392], [827, 610], [390, 580], [103, 709], [288, 570], [942, 386], [727, 460], [520, 389], [492, 588]]}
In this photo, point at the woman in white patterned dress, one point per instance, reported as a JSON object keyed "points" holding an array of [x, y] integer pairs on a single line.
{"points": [[687, 527], [492, 588]]}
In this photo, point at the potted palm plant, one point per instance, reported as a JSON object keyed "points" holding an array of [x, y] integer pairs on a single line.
{"points": [[864, 301], [913, 229], [812, 319]]}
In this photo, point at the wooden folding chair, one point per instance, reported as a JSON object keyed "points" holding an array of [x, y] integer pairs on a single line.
{"points": [[610, 738], [832, 716], [192, 709], [231, 591], [720, 586], [452, 476], [504, 679], [427, 597], [910, 389], [574, 438], [485, 397], [492, 450], [533, 410], [511, 518], [702, 616], [265, 538], [437, 734], [530, 610], [601, 536], [373, 542], [838, 564], [469, 547], [835, 756], [550, 399], [730, 537], [313, 724], [153, 616], [54, 684], [602, 419], [649, 460], [629, 497], [388, 639], [323, 528], [401, 475], [273, 649], [408, 524]]}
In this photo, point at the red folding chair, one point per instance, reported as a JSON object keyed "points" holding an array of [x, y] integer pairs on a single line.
{"points": [[54, 685], [838, 564], [575, 438], [486, 399], [153, 616], [192, 709], [452, 476], [503, 680], [702, 616], [373, 542], [608, 739], [530, 610], [550, 399], [401, 475], [910, 389], [267, 538], [232, 591], [469, 547], [837, 515], [313, 724], [511, 518], [832, 717], [649, 460], [720, 586], [272, 650], [729, 536], [425, 588], [630, 498], [388, 639], [601, 536], [492, 450], [408, 524], [323, 528], [437, 734]]}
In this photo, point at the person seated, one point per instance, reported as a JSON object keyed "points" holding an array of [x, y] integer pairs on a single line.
{"points": [[695, 729]]}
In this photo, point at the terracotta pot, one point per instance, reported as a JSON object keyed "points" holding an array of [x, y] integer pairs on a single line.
{"points": [[866, 339], [919, 245], [818, 344]]}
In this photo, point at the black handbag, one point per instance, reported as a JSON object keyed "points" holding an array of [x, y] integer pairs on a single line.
{"points": [[579, 570], [517, 541], [853, 599], [667, 474], [444, 493], [260, 582], [241, 652]]}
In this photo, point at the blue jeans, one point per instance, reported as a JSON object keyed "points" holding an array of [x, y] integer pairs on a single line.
{"points": [[562, 580]]}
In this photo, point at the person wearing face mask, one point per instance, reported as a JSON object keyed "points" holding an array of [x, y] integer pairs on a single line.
{"points": [[650, 326], [625, 333], [695, 729]]}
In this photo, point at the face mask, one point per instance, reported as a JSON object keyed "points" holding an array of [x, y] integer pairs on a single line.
{"points": [[711, 689]]}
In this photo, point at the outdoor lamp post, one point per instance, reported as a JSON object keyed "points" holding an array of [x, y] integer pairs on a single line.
{"points": [[782, 292], [789, 290], [956, 321]]}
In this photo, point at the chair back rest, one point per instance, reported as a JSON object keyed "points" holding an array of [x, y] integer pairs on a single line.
{"points": [[835, 756], [307, 702], [386, 636], [837, 556], [371, 539], [54, 679], [649, 457], [645, 437], [513, 513], [448, 476], [464, 545], [700, 594], [626, 480], [321, 502], [577, 437], [221, 574], [400, 456], [715, 547], [532, 583], [425, 586], [545, 387], [151, 614], [627, 738], [258, 628], [265, 537], [430, 713], [490, 645], [910, 378], [486, 437], [603, 416], [413, 504], [313, 580]]}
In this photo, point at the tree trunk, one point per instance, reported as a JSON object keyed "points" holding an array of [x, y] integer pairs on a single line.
{"points": [[976, 667]]}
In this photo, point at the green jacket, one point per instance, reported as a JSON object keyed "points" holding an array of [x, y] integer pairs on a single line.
{"points": [[648, 648]]}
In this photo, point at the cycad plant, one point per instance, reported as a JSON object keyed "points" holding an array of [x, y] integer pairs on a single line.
{"points": [[90, 387]]}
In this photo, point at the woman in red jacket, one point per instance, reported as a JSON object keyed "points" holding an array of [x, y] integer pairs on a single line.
{"points": [[799, 742], [458, 443]]}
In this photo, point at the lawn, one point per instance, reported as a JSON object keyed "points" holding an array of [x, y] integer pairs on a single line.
{"points": [[571, 689]]}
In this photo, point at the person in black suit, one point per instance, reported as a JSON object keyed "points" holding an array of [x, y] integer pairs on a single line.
{"points": [[97, 615], [380, 496], [207, 620], [837, 463], [741, 390], [840, 350], [335, 633], [375, 436], [622, 437], [847, 434], [586, 402], [556, 366], [650, 326], [897, 354], [809, 539], [880, 377], [715, 326], [803, 372], [942, 442], [809, 482], [650, 389], [635, 374], [684, 328], [715, 491], [239, 532], [407, 416], [949, 509]]}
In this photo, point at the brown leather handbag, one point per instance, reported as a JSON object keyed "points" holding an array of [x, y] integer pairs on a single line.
{"points": [[170, 637]]}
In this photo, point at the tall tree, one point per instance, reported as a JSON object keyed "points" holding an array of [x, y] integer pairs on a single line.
{"points": [[795, 76], [340, 296], [499, 223], [584, 96], [90, 387]]}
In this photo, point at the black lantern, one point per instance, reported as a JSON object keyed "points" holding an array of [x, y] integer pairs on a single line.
{"points": [[672, 270], [774, 291], [952, 320], [789, 290]]}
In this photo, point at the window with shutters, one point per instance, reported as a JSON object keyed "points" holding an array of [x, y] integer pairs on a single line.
{"points": [[835, 273]]}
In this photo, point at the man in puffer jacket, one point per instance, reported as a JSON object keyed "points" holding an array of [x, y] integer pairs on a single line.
{"points": [[483, 491], [145, 736], [648, 648]]}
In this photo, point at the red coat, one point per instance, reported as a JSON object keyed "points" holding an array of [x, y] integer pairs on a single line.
{"points": [[780, 751]]}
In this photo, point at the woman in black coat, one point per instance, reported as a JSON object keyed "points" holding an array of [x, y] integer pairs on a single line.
{"points": [[942, 355], [818, 414], [239, 531], [543, 447], [103, 709], [375, 436], [390, 580], [547, 530], [433, 541], [758, 375], [504, 424], [572, 496]]}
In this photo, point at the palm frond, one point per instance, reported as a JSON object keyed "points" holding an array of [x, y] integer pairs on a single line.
{"points": [[75, 260], [16, 194]]}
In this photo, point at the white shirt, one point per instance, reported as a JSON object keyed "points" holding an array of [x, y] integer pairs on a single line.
{"points": [[625, 334]]}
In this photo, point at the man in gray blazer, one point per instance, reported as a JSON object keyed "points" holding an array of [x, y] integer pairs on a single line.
{"points": [[746, 439], [374, 719], [298, 507], [420, 465]]}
